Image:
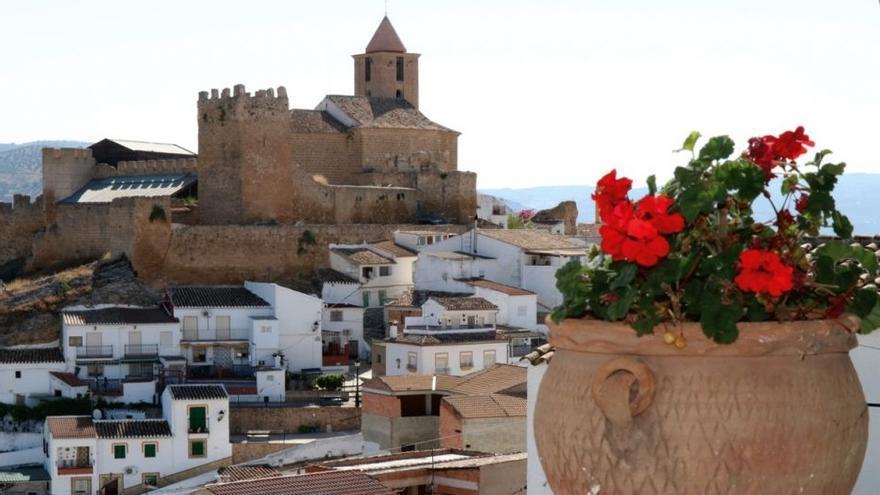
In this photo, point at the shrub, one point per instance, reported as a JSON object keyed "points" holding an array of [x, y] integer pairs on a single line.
{"points": [[330, 382]]}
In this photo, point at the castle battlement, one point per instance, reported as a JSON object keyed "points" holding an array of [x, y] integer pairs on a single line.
{"points": [[67, 155], [147, 167], [239, 92], [240, 105]]}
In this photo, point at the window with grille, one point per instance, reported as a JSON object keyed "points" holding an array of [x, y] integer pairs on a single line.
{"points": [[400, 68]]}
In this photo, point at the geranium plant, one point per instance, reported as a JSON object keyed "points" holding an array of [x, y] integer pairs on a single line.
{"points": [[693, 250]]}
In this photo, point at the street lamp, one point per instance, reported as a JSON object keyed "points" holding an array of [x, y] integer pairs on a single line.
{"points": [[357, 384]]}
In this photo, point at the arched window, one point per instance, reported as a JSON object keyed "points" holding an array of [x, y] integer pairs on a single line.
{"points": [[400, 68], [368, 68]]}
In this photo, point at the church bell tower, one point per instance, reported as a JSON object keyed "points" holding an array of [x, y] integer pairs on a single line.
{"points": [[385, 69]]}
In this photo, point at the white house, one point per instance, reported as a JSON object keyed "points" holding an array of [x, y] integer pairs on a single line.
{"points": [[25, 372], [415, 240], [524, 258], [535, 476], [117, 349], [492, 209], [342, 334], [384, 270], [110, 456]]}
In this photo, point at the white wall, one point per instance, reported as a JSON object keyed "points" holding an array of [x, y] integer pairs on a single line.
{"points": [[31, 455], [509, 307], [176, 412], [322, 448], [166, 460], [61, 484], [270, 383], [34, 380], [425, 357], [240, 321], [265, 340], [485, 207], [341, 293], [536, 479], [352, 321], [866, 359], [297, 313]]}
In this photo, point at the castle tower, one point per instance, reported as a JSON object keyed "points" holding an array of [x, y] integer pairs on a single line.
{"points": [[245, 158], [386, 70]]}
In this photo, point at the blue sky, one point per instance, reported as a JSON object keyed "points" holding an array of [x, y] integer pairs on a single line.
{"points": [[550, 92]]}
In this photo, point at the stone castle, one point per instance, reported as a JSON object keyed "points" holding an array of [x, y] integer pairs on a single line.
{"points": [[367, 159]]}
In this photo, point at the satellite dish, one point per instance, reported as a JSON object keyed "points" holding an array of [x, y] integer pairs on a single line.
{"points": [[97, 414]]}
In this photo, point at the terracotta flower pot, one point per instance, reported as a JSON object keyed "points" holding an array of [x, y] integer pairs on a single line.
{"points": [[780, 411]]}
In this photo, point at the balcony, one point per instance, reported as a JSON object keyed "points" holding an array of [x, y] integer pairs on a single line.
{"points": [[228, 335], [141, 351], [74, 468], [435, 328], [94, 352], [214, 372]]}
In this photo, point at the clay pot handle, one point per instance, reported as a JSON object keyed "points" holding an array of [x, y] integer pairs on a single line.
{"points": [[612, 385]]}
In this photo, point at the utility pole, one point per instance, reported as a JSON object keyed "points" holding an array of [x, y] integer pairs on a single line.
{"points": [[357, 383]]}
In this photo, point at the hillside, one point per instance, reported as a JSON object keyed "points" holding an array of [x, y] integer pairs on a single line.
{"points": [[20, 166], [854, 195]]}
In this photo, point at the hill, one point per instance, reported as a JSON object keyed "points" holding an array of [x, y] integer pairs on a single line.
{"points": [[21, 166], [853, 194]]}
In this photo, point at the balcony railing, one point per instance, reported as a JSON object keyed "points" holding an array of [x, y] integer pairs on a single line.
{"points": [[94, 351], [66, 468], [213, 372], [475, 326], [215, 335], [141, 350]]}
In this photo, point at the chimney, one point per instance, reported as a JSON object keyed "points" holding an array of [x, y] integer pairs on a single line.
{"points": [[392, 330]]}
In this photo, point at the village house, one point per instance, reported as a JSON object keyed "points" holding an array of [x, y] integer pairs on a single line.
{"points": [[117, 350], [416, 240], [523, 258], [452, 471], [24, 374], [383, 270], [412, 412], [492, 209], [86, 455], [342, 335], [349, 482]]}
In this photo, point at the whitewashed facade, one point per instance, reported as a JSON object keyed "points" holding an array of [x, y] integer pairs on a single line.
{"points": [[492, 209], [382, 270], [342, 333], [25, 374]]}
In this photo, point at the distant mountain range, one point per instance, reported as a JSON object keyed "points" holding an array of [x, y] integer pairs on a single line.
{"points": [[21, 166], [855, 194]]}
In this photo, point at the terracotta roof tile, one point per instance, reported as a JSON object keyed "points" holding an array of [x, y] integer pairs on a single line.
{"points": [[504, 289], [197, 392], [117, 316], [530, 239], [395, 249], [240, 472], [363, 256], [446, 338], [314, 121], [498, 378], [215, 297], [385, 39], [323, 483], [407, 383], [69, 379], [71, 426], [464, 303], [41, 355], [487, 406], [132, 428], [386, 113]]}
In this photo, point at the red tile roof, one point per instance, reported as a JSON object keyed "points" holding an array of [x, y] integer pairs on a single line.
{"points": [[504, 289], [240, 472], [71, 426], [395, 249], [487, 406], [69, 378], [492, 380], [329, 482]]}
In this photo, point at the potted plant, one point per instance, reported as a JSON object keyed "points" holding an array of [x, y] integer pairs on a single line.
{"points": [[703, 351]]}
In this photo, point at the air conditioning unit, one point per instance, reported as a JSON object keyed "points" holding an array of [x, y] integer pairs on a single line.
{"points": [[131, 470]]}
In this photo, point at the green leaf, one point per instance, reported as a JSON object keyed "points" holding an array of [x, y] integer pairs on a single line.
{"points": [[843, 228], [863, 302], [625, 275], [718, 148], [690, 141], [743, 177], [871, 321], [839, 251], [645, 325], [620, 308], [652, 185], [718, 319]]}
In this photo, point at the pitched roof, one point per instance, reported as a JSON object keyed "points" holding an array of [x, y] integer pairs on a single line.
{"points": [[71, 426], [217, 296], [530, 239], [457, 255], [167, 148], [133, 186], [412, 383], [40, 355], [385, 39], [387, 113], [363, 256], [132, 428], [323, 483], [395, 249], [23, 474], [492, 380], [487, 406], [240, 472], [314, 121], [412, 298], [440, 338], [504, 289], [69, 378], [464, 303], [197, 392], [332, 276], [117, 316]]}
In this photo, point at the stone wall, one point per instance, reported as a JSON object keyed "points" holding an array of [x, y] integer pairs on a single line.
{"points": [[289, 419], [19, 223], [335, 156], [408, 150], [146, 167], [66, 170], [452, 195], [246, 451], [218, 254]]}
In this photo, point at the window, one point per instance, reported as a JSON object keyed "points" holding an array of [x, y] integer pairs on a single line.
{"points": [[150, 449], [119, 450], [336, 315], [488, 358], [441, 363], [384, 271], [368, 68], [366, 296], [430, 239], [95, 370], [197, 448], [399, 94], [200, 355], [266, 329], [521, 310], [466, 360], [400, 68], [420, 241], [412, 361], [383, 295], [18, 374], [367, 272], [150, 480], [190, 328], [270, 378], [81, 486], [74, 341], [198, 419]]}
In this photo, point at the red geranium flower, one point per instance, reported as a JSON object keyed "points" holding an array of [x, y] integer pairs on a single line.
{"points": [[609, 192], [761, 154], [655, 209], [802, 202], [625, 237], [763, 272], [792, 144]]}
